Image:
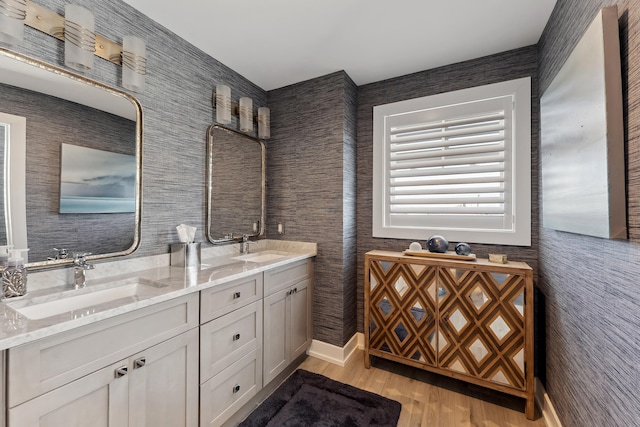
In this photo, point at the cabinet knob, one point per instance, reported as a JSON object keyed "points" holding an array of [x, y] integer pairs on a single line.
{"points": [[121, 371], [139, 363], [236, 295], [236, 337], [236, 388]]}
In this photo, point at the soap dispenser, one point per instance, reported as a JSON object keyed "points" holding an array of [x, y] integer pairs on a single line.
{"points": [[4, 257], [14, 276], [4, 262]]}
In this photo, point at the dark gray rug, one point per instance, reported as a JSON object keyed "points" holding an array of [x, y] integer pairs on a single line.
{"points": [[312, 400]]}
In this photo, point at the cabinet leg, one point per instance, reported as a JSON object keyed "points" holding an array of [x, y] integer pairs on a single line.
{"points": [[530, 408]]}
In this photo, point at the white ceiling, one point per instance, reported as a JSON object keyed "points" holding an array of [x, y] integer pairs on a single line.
{"points": [[280, 42]]}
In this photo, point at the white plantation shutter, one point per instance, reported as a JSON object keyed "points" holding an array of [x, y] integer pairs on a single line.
{"points": [[451, 169]]}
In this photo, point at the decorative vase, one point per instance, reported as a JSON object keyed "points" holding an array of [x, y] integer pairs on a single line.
{"points": [[437, 244], [463, 248]]}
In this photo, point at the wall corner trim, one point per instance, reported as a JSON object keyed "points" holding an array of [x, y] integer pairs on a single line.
{"points": [[546, 407], [336, 355]]}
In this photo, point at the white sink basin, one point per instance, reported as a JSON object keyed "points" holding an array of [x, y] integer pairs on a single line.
{"points": [[83, 299], [260, 257]]}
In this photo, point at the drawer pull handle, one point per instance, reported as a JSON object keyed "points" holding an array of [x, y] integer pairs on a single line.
{"points": [[121, 371], [236, 337], [236, 295], [295, 290], [236, 388], [139, 363]]}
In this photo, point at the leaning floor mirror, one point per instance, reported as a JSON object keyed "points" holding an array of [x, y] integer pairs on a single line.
{"points": [[235, 185]]}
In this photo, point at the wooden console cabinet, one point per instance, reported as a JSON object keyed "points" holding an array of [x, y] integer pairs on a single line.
{"points": [[470, 320]]}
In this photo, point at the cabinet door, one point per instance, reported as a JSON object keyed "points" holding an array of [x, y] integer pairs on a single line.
{"points": [[401, 311], [99, 399], [163, 384], [275, 339], [299, 320], [482, 325]]}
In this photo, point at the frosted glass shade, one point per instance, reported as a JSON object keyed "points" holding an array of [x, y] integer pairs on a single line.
{"points": [[134, 63], [223, 104], [79, 37], [12, 14], [246, 114], [264, 123]]}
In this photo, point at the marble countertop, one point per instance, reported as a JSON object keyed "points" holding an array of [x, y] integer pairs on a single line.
{"points": [[158, 284]]}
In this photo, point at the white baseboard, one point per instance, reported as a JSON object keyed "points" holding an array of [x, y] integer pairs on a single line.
{"points": [[334, 354], [546, 407]]}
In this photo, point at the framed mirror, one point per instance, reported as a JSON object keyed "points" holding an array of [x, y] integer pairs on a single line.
{"points": [[235, 185], [81, 174]]}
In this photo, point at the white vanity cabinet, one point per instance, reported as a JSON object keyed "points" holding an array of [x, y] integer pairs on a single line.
{"points": [[230, 348], [287, 316], [136, 369], [200, 359]]}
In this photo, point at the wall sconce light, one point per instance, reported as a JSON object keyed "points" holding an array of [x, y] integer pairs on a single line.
{"points": [[79, 37], [225, 108], [76, 29], [223, 104], [12, 16], [246, 114], [134, 63], [264, 123]]}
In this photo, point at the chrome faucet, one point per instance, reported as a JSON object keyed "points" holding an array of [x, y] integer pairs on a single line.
{"points": [[244, 245], [80, 266], [60, 254]]}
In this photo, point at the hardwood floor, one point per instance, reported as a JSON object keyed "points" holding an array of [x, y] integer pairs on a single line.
{"points": [[428, 400]]}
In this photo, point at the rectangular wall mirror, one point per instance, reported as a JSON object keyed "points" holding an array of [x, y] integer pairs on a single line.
{"points": [[60, 108], [235, 185]]}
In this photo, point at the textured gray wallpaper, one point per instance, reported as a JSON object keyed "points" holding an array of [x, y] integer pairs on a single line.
{"points": [[491, 69], [591, 284], [311, 189], [177, 110], [350, 213]]}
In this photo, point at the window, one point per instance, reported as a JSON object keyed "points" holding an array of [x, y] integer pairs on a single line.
{"points": [[456, 164]]}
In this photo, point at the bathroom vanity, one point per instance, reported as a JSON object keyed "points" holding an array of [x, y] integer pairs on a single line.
{"points": [[164, 346]]}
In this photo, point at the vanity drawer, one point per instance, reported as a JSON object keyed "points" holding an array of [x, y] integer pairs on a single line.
{"points": [[41, 366], [226, 393], [228, 338], [281, 278], [219, 300]]}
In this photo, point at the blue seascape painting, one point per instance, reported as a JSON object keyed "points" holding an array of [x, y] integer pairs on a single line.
{"points": [[96, 181]]}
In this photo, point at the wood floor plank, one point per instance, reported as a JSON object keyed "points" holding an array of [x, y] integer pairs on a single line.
{"points": [[423, 404]]}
